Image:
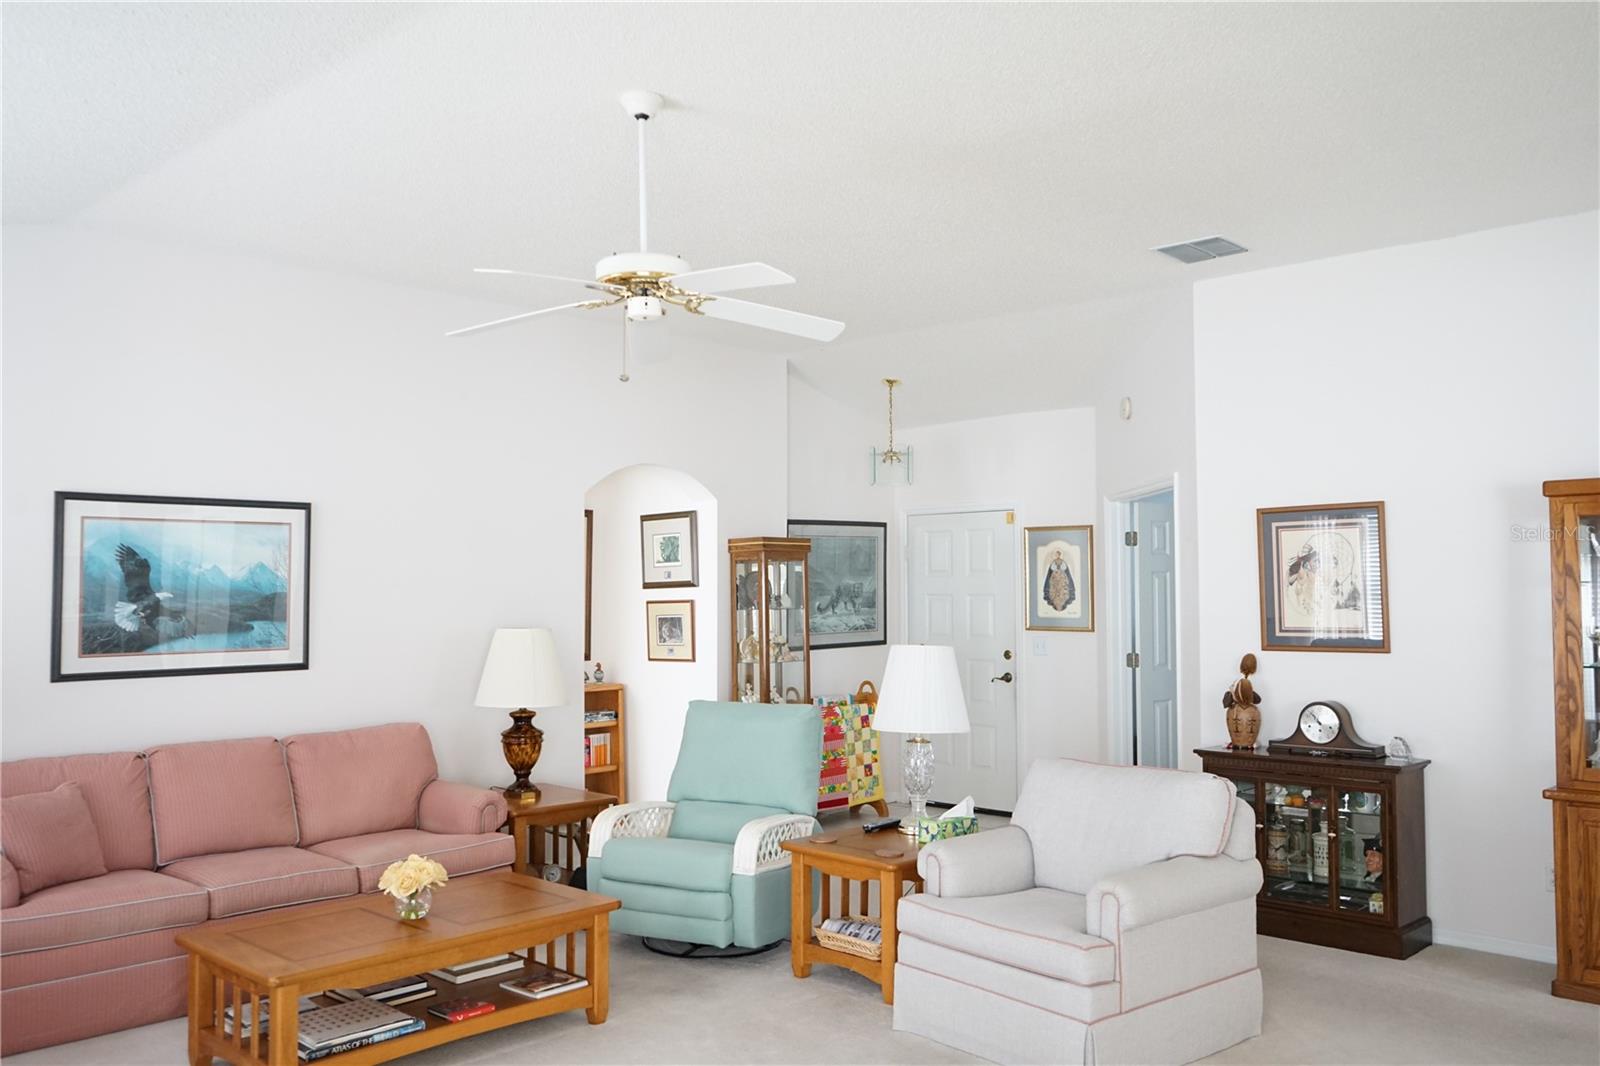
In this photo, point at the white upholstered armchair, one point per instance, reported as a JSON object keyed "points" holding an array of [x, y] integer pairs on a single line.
{"points": [[1112, 921]]}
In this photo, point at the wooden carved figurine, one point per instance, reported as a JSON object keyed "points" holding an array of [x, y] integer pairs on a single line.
{"points": [[1241, 702]]}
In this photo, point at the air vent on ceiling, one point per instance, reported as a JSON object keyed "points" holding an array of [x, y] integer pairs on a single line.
{"points": [[1198, 251]]}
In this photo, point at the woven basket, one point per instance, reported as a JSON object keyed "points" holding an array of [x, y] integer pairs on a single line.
{"points": [[849, 944]]}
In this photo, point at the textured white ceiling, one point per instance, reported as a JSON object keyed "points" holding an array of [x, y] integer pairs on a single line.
{"points": [[911, 164]]}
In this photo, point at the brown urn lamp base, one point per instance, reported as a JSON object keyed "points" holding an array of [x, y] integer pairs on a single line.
{"points": [[522, 744]]}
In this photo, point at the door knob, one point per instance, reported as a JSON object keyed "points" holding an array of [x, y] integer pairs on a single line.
{"points": [[1006, 677]]}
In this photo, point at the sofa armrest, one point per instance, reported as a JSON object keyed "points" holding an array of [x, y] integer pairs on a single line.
{"points": [[629, 820], [990, 863], [10, 886], [1162, 890], [449, 807], [758, 847]]}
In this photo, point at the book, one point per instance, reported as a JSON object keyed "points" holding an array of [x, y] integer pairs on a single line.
{"points": [[306, 1003], [312, 1055], [459, 1010], [384, 991], [544, 981], [326, 1026], [425, 992], [473, 971], [870, 932]]}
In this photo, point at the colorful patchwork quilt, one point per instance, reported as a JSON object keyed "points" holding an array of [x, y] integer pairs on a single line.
{"points": [[851, 774]]}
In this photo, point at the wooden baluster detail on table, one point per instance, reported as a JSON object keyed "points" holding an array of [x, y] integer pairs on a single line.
{"points": [[861, 899], [572, 952], [238, 1017], [827, 898], [255, 1025]]}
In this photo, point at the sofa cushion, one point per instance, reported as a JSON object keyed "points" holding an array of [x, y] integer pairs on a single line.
{"points": [[240, 882], [693, 865], [749, 753], [717, 822], [459, 854], [117, 790], [977, 976], [10, 887], [50, 838], [660, 899], [1088, 821], [357, 781], [120, 903], [1039, 930], [220, 796]]}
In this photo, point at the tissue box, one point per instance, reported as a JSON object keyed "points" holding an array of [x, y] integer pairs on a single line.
{"points": [[931, 829]]}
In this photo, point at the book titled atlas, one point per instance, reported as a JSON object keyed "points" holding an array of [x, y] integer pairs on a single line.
{"points": [[323, 1051]]}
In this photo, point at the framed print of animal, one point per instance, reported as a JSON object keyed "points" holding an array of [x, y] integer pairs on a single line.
{"points": [[847, 582], [668, 551], [149, 586], [1324, 583], [1059, 561], [669, 631]]}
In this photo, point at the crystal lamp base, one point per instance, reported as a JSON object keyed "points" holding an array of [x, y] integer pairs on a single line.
{"points": [[917, 762]]}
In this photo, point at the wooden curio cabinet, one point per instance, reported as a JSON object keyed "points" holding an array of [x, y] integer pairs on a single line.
{"points": [[771, 619], [1341, 846], [1574, 537]]}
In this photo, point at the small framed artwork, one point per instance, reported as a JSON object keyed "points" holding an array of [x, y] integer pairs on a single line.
{"points": [[668, 552], [1324, 583], [846, 572], [669, 631], [149, 586], [1059, 561]]}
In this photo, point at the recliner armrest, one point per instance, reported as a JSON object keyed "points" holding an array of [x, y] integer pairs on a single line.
{"points": [[648, 819], [758, 847], [990, 863], [1184, 885], [449, 807]]}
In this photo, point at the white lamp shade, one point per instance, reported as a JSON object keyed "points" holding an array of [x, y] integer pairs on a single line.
{"points": [[921, 692], [522, 670]]}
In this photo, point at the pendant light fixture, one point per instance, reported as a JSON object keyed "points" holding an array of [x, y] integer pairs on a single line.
{"points": [[891, 466]]}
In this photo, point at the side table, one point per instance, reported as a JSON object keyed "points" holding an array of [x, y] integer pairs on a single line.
{"points": [[887, 857], [563, 815]]}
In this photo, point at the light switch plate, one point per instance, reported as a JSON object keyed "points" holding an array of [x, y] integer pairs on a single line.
{"points": [[1040, 646]]}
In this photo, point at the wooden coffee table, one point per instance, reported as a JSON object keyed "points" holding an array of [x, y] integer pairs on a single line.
{"points": [[350, 943], [852, 856]]}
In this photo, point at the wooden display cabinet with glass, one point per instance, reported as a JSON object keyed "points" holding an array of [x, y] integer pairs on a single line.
{"points": [[1574, 536], [771, 618]]}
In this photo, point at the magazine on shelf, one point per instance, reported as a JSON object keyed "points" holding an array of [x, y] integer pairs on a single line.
{"points": [[475, 971], [326, 1026], [313, 1054], [870, 932], [542, 981], [395, 991], [306, 1003]]}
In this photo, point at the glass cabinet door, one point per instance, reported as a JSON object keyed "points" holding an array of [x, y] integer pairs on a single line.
{"points": [[749, 641], [1360, 852], [786, 630], [1589, 595], [1298, 861]]}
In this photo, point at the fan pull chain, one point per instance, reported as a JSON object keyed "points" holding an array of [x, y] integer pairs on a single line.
{"points": [[623, 377]]}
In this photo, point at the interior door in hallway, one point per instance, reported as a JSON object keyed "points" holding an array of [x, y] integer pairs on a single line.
{"points": [[1155, 719], [961, 585]]}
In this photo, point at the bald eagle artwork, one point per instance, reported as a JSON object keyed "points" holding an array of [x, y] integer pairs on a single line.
{"points": [[144, 609]]}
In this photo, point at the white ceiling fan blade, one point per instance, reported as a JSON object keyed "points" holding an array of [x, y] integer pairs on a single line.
{"points": [[516, 318], [729, 278], [595, 285], [801, 325]]}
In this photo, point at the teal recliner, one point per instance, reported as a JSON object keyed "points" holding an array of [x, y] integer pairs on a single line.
{"points": [[705, 866]]}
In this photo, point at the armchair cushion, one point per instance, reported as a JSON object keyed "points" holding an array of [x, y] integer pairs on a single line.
{"points": [[1039, 930], [449, 807], [355, 781], [692, 865], [1149, 894], [983, 864], [759, 754], [716, 822]]}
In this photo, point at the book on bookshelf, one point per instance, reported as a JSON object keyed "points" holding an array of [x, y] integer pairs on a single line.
{"points": [[323, 1051], [542, 981], [384, 991], [473, 971], [307, 1003], [459, 1010], [326, 1027]]}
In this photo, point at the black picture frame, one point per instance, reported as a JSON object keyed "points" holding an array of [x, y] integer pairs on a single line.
{"points": [[296, 653], [1291, 541], [823, 598]]}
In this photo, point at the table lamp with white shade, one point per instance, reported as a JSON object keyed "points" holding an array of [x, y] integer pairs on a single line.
{"points": [[522, 672], [921, 694]]}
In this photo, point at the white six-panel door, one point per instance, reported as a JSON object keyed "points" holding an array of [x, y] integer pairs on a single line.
{"points": [[961, 586], [1156, 639]]}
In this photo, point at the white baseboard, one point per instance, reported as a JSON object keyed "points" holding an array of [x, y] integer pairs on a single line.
{"points": [[1494, 945]]}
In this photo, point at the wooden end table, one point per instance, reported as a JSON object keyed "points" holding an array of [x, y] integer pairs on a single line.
{"points": [[887, 857], [566, 814], [280, 956]]}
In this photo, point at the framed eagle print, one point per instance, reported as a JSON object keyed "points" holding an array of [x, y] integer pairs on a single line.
{"points": [[147, 586], [1324, 586]]}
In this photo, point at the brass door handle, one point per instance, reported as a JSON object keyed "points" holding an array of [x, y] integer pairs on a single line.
{"points": [[1006, 677]]}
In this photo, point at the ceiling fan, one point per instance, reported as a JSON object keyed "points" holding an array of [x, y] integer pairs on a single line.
{"points": [[646, 283]]}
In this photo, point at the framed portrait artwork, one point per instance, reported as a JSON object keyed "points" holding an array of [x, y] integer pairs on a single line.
{"points": [[669, 631], [1323, 581], [846, 572], [668, 552], [147, 586], [1059, 565]]}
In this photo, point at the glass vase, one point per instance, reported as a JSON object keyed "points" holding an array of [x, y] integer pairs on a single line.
{"points": [[415, 906]]}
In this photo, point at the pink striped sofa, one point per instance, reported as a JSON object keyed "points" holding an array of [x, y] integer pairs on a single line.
{"points": [[202, 832]]}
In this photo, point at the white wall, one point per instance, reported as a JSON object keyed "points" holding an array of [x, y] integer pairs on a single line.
{"points": [[1448, 379], [658, 693], [446, 476]]}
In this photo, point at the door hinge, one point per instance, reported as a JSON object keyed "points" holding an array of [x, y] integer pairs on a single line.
{"points": [[1131, 538], [1132, 660], [1011, 517]]}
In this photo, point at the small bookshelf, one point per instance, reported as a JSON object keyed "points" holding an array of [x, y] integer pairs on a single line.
{"points": [[605, 764]]}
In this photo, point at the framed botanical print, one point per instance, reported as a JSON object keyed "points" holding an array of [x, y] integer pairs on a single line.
{"points": [[668, 553], [1324, 586], [1059, 565], [846, 571], [146, 586], [669, 631]]}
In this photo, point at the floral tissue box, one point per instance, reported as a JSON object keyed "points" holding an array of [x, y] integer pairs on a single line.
{"points": [[931, 829]]}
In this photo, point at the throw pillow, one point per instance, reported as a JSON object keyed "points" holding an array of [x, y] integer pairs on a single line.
{"points": [[50, 838]]}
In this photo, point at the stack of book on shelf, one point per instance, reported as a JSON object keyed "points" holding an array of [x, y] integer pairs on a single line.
{"points": [[306, 1003], [591, 717], [329, 1030], [597, 750], [400, 990], [541, 981], [464, 972]]}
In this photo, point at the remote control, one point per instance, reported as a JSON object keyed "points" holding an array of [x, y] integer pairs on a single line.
{"points": [[881, 823]]}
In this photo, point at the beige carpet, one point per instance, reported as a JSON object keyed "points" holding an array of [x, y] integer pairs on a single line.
{"points": [[1445, 1005]]}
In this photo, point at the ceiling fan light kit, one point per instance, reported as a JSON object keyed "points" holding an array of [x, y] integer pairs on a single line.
{"points": [[646, 284]]}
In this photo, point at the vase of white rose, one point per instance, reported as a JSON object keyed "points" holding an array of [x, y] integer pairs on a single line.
{"points": [[411, 882]]}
